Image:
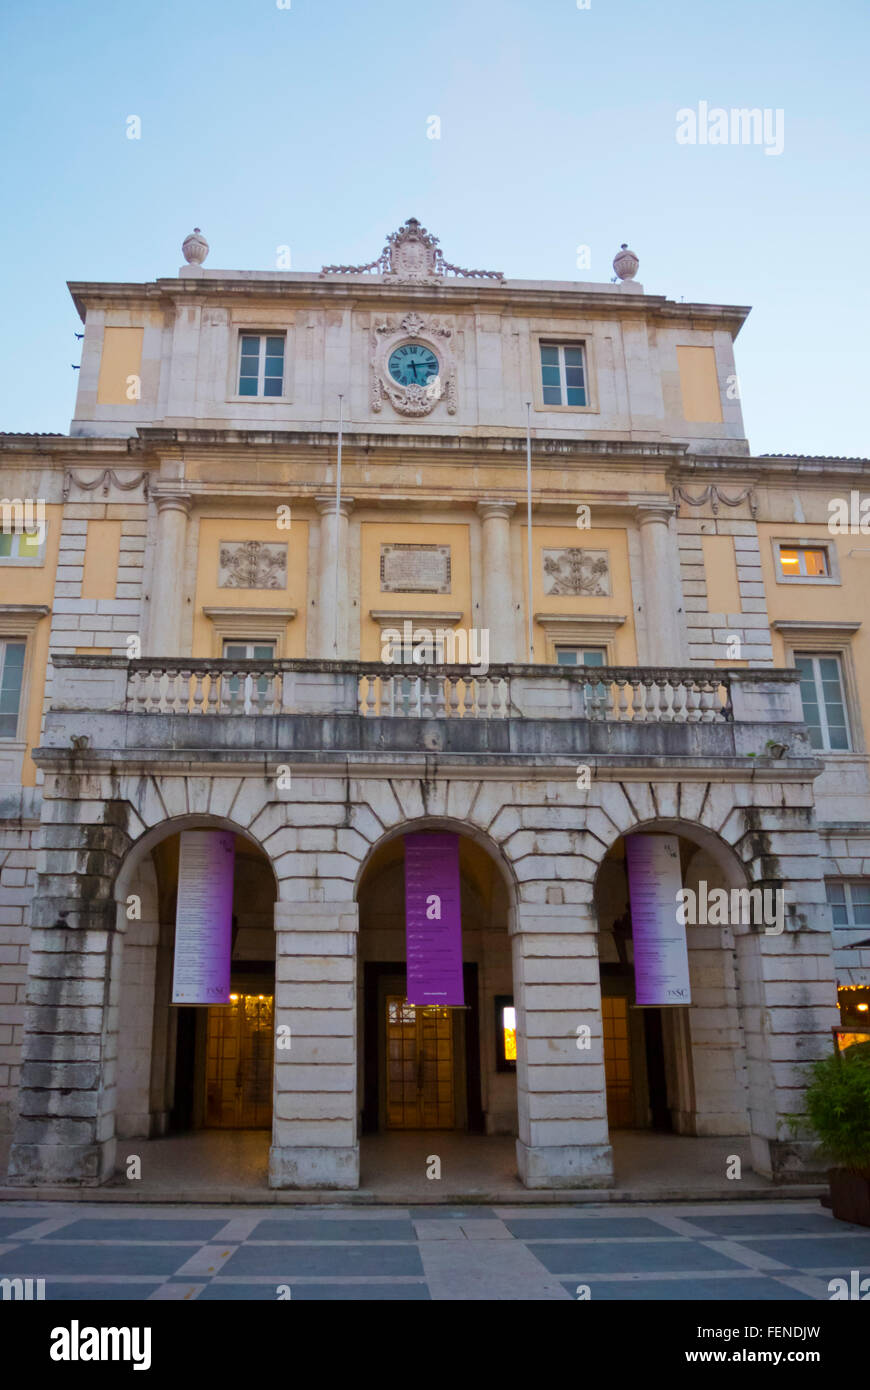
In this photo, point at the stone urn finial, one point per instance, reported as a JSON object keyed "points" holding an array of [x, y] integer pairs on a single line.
{"points": [[625, 263], [194, 248]]}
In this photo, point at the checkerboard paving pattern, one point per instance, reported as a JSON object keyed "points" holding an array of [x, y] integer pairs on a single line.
{"points": [[718, 1251]]}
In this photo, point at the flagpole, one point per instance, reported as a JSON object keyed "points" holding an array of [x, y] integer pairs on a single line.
{"points": [[529, 523], [337, 522]]}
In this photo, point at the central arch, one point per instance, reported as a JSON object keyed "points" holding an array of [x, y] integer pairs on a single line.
{"points": [[435, 1069]]}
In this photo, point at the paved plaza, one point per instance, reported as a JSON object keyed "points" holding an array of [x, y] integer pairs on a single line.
{"points": [[755, 1251]]}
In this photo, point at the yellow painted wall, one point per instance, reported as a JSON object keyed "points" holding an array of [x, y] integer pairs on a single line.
{"points": [[376, 534], [699, 385], [619, 602], [35, 584], [102, 553], [720, 572], [823, 603], [121, 358], [213, 530]]}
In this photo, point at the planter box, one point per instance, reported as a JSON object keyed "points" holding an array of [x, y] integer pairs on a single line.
{"points": [[850, 1196]]}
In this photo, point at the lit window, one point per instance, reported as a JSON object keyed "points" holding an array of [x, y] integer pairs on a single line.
{"points": [[824, 703], [11, 678], [804, 562], [505, 1033], [261, 365], [849, 901], [563, 374]]}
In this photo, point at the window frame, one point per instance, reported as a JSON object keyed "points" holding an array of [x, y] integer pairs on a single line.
{"points": [[582, 649], [18, 640], [816, 657], [779, 543], [15, 561], [825, 639], [846, 884], [556, 338], [262, 357], [258, 325]]}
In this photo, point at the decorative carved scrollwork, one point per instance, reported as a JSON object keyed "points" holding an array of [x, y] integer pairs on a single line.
{"points": [[108, 478], [715, 496]]}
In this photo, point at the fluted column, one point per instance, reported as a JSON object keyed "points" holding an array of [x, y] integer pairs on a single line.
{"points": [[661, 586], [333, 541], [163, 637], [498, 593]]}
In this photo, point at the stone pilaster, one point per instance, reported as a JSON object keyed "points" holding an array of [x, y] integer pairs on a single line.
{"points": [[662, 624], [561, 1094], [65, 1131], [332, 636], [314, 1130], [163, 637], [498, 593]]}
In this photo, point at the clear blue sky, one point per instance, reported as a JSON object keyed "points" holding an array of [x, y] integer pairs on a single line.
{"points": [[307, 127]]}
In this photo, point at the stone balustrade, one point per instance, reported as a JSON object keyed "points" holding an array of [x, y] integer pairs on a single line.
{"points": [[614, 694]]}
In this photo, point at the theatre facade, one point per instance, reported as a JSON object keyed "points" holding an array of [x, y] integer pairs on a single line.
{"points": [[238, 686]]}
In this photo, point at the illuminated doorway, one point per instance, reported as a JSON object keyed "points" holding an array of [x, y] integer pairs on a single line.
{"points": [[239, 1054], [420, 1092]]}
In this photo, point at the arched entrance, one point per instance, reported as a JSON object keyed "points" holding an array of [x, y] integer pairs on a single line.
{"points": [[674, 1069], [429, 1069], [192, 1068]]}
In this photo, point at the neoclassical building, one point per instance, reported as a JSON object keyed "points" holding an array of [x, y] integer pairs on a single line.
{"points": [[203, 627]]}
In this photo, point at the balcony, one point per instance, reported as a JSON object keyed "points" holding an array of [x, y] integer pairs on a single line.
{"points": [[173, 708]]}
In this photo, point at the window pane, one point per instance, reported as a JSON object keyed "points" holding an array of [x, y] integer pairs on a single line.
{"points": [[573, 357], [6, 539], [264, 651], [251, 345], [8, 725], [275, 347], [549, 355], [576, 397], [816, 562], [550, 376], [566, 656], [789, 561], [28, 547], [272, 386], [593, 656], [248, 386], [236, 651], [552, 395], [274, 366]]}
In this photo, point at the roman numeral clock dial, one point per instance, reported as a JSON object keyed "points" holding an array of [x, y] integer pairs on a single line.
{"points": [[413, 364]]}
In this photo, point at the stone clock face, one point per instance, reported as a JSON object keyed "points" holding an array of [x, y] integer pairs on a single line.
{"points": [[413, 364]]}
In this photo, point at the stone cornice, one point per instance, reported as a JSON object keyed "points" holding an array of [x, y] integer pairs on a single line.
{"points": [[518, 296]]}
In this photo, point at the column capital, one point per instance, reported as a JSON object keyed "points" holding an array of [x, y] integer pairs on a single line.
{"points": [[171, 500], [326, 505], [660, 512], [495, 507]]}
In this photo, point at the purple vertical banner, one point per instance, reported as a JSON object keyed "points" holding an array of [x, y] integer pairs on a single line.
{"points": [[661, 956], [433, 919], [204, 918]]}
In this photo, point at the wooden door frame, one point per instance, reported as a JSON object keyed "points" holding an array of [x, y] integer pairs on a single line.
{"points": [[373, 973]]}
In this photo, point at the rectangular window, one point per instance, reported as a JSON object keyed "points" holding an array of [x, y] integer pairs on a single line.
{"points": [[11, 677], [824, 702], [505, 1033], [249, 651], [580, 656], [849, 901], [804, 562], [563, 374], [21, 548], [261, 365]]}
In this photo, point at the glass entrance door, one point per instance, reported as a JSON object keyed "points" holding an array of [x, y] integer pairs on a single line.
{"points": [[239, 1063], [420, 1093]]}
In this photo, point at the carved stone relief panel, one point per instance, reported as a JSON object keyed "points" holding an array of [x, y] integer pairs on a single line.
{"points": [[252, 565], [577, 572]]}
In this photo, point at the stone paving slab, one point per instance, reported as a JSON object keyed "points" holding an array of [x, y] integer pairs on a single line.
{"points": [[753, 1252]]}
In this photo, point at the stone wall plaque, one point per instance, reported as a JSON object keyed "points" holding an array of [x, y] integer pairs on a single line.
{"points": [[577, 572], [252, 565], [415, 569]]}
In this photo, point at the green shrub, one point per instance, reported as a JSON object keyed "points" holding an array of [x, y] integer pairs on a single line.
{"points": [[838, 1108]]}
